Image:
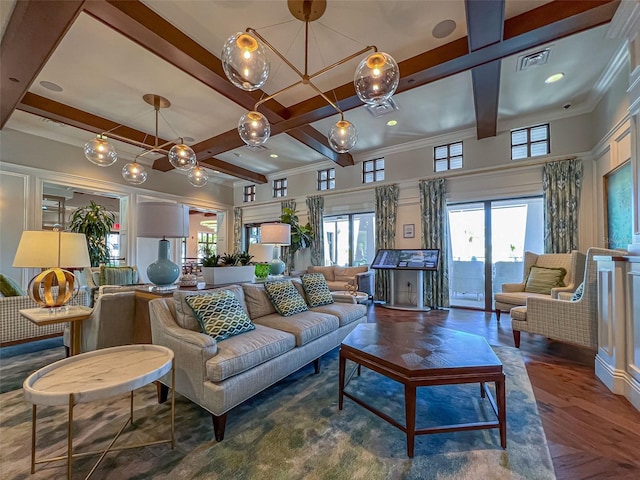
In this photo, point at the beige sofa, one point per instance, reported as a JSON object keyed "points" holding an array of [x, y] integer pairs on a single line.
{"points": [[338, 277], [219, 375]]}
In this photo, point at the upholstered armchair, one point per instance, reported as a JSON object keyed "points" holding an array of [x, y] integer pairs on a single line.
{"points": [[108, 275], [574, 321], [515, 294]]}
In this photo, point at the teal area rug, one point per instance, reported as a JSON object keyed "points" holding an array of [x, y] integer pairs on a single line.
{"points": [[293, 430]]}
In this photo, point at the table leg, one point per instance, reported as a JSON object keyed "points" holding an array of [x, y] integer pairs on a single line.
{"points": [[410, 416], [76, 336], [502, 410], [70, 438], [33, 439], [343, 362], [482, 392], [173, 402]]}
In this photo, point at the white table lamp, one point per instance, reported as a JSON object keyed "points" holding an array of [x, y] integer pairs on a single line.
{"points": [[276, 234], [52, 249]]}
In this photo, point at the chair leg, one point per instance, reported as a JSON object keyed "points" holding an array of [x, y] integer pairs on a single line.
{"points": [[219, 422], [316, 365], [498, 314], [516, 338], [67, 351], [163, 392]]}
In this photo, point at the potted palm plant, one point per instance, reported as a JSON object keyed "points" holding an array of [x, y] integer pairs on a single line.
{"points": [[95, 221], [227, 268]]}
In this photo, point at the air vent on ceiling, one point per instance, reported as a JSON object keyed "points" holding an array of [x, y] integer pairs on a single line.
{"points": [[256, 148], [533, 59], [382, 109]]}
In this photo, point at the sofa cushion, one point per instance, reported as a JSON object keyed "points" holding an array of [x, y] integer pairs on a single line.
{"points": [[516, 298], [543, 279], [184, 314], [243, 352], [285, 297], [10, 288], [348, 274], [519, 314], [316, 289], [346, 312], [305, 326], [220, 314], [326, 271], [257, 301]]}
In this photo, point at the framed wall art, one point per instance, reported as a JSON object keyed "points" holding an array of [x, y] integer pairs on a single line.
{"points": [[617, 198], [409, 230]]}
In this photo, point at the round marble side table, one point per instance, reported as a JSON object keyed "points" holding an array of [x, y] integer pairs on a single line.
{"points": [[94, 376]]}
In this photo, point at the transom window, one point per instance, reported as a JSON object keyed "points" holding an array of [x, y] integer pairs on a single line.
{"points": [[249, 193], [530, 142], [327, 179], [447, 157], [373, 170], [280, 188]]}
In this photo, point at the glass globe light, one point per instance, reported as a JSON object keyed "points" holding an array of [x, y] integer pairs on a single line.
{"points": [[376, 78], [198, 176], [254, 128], [182, 157], [343, 136], [134, 173], [245, 62], [100, 152]]}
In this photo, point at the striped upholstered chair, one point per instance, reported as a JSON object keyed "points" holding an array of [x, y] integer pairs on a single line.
{"points": [[574, 321]]}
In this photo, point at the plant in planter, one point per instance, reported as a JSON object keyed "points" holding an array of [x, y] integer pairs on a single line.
{"points": [[241, 271], [95, 222], [301, 235], [209, 259]]}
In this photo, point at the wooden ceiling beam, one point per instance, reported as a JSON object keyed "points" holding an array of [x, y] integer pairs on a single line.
{"points": [[34, 31], [485, 24], [142, 25], [59, 112], [310, 136], [234, 170]]}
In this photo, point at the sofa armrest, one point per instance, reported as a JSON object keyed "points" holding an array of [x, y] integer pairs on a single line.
{"points": [[512, 287], [191, 349]]}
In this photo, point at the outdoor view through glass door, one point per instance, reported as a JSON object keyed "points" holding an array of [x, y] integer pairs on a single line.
{"points": [[488, 241]]}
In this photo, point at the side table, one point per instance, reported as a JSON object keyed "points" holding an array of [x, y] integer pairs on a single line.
{"points": [[93, 376], [74, 315], [343, 295]]}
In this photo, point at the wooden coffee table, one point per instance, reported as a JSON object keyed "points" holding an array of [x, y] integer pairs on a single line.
{"points": [[419, 355]]}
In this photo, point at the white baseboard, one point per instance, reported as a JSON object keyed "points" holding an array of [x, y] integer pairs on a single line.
{"points": [[618, 381]]}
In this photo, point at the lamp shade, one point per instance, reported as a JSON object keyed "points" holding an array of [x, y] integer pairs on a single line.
{"points": [[261, 252], [275, 233], [47, 248], [162, 219]]}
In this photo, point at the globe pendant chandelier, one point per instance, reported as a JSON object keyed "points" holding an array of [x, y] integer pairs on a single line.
{"points": [[245, 63], [100, 152]]}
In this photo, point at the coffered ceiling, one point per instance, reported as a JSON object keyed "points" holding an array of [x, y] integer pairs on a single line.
{"points": [[105, 55]]}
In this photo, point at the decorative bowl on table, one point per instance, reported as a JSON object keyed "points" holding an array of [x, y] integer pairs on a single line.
{"points": [[188, 281]]}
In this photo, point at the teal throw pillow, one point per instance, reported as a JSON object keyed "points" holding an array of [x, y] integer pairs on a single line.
{"points": [[220, 314], [577, 295], [285, 298], [117, 275], [542, 279], [10, 288], [316, 289]]}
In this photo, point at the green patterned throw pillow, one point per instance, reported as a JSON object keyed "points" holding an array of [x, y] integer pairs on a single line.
{"points": [[542, 279], [285, 298], [220, 314], [316, 289], [10, 288], [118, 275]]}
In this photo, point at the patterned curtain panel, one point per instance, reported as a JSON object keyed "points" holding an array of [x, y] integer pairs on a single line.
{"points": [[561, 182], [237, 229], [435, 234], [285, 252], [386, 209], [316, 211]]}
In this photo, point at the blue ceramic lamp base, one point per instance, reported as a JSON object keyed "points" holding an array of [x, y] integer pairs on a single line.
{"points": [[163, 271]]}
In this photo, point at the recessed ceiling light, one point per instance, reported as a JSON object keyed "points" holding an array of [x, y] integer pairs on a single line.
{"points": [[273, 155], [443, 29], [554, 78], [54, 87], [188, 139], [391, 123]]}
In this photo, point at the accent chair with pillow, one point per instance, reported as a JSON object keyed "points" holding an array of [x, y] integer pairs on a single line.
{"points": [[110, 275], [574, 321], [338, 277], [545, 276]]}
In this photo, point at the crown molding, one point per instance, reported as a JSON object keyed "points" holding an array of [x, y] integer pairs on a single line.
{"points": [[624, 124], [625, 21]]}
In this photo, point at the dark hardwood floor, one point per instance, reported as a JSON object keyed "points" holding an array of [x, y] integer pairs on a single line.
{"points": [[591, 433]]}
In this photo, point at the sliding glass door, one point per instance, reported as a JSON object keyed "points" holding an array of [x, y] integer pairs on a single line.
{"points": [[349, 239], [488, 241]]}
